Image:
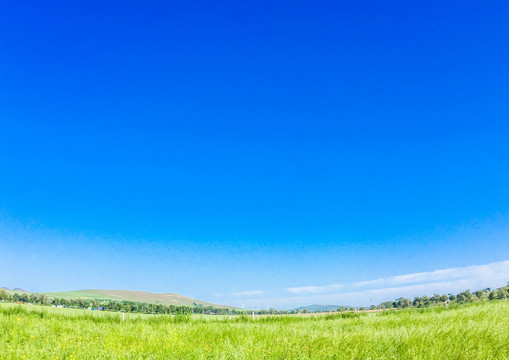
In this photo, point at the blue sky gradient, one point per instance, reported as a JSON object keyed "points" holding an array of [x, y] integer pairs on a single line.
{"points": [[211, 149]]}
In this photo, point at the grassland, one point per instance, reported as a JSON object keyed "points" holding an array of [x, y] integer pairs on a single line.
{"points": [[477, 331]]}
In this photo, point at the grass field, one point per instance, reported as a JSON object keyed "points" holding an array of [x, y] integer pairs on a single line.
{"points": [[477, 331], [68, 312]]}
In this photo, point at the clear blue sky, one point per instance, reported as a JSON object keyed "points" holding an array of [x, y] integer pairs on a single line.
{"points": [[230, 151]]}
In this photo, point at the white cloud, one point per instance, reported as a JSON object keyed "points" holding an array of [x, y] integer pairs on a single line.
{"points": [[314, 289], [249, 293], [442, 281], [484, 272]]}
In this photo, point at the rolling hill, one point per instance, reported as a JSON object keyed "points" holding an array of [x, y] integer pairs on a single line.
{"points": [[129, 295], [12, 291]]}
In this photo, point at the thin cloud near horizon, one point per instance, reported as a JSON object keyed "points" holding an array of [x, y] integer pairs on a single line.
{"points": [[314, 289], [414, 278], [249, 293], [441, 281]]}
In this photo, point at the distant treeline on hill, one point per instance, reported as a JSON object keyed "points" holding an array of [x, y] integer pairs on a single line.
{"points": [[113, 305], [146, 308], [427, 301]]}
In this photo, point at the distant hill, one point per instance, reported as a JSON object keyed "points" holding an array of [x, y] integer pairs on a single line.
{"points": [[18, 290], [314, 308], [128, 295]]}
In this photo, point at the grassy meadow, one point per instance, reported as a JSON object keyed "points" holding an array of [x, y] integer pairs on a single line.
{"points": [[476, 331]]}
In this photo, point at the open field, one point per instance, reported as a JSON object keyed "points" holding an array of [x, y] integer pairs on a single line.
{"points": [[477, 331], [68, 312], [73, 312]]}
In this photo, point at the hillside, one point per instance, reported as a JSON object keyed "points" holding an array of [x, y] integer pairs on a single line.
{"points": [[12, 291], [128, 295]]}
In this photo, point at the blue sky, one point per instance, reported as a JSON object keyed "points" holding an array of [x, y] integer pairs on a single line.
{"points": [[233, 151]]}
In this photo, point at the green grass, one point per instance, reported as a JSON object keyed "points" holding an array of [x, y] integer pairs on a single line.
{"points": [[80, 312], [73, 312], [478, 331]]}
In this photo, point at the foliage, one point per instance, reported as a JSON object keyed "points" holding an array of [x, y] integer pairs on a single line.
{"points": [[464, 297], [111, 305], [145, 308]]}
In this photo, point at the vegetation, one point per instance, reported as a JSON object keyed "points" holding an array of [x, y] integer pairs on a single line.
{"points": [[111, 305], [129, 295], [478, 330], [464, 297]]}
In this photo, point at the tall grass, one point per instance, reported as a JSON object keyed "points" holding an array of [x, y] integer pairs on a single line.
{"points": [[479, 331]]}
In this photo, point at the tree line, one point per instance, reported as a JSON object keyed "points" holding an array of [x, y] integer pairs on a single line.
{"points": [[114, 305], [426, 301], [464, 297], [127, 306]]}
